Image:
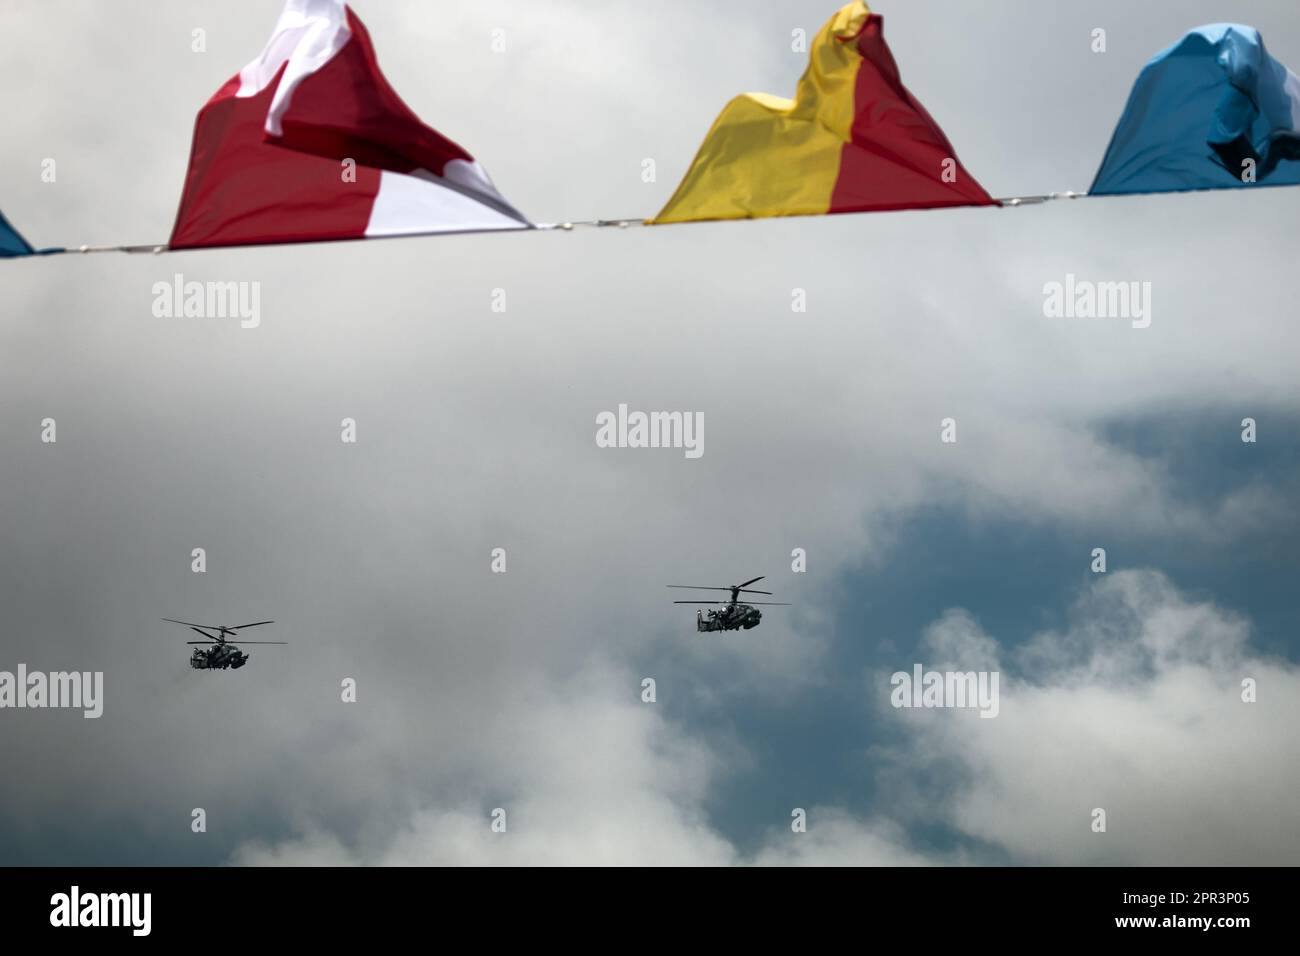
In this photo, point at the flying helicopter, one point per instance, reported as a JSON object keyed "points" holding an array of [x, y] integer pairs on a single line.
{"points": [[221, 653], [733, 615]]}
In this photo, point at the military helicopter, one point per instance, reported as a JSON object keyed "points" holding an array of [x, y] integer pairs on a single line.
{"points": [[221, 654], [734, 615]]}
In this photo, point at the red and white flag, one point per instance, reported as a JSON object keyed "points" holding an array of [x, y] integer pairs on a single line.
{"points": [[310, 142]]}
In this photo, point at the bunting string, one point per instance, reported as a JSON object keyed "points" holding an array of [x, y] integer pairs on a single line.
{"points": [[159, 248]]}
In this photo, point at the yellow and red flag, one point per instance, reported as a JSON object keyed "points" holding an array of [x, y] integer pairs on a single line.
{"points": [[853, 139]]}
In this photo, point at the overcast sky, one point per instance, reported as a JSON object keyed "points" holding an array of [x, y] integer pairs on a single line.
{"points": [[476, 431]]}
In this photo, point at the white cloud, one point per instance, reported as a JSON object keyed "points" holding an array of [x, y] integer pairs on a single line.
{"points": [[588, 775], [1134, 708], [836, 838]]}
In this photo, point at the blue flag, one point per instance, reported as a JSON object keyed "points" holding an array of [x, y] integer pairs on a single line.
{"points": [[12, 244], [1213, 111]]}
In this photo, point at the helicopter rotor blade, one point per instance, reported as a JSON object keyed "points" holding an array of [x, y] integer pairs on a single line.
{"points": [[737, 587], [241, 643], [771, 603], [210, 627], [208, 636], [254, 624], [701, 602], [751, 581]]}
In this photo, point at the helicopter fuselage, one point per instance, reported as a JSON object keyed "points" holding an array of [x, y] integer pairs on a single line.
{"points": [[218, 657], [733, 617]]}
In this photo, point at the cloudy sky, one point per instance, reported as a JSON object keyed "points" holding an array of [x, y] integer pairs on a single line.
{"points": [[476, 429]]}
